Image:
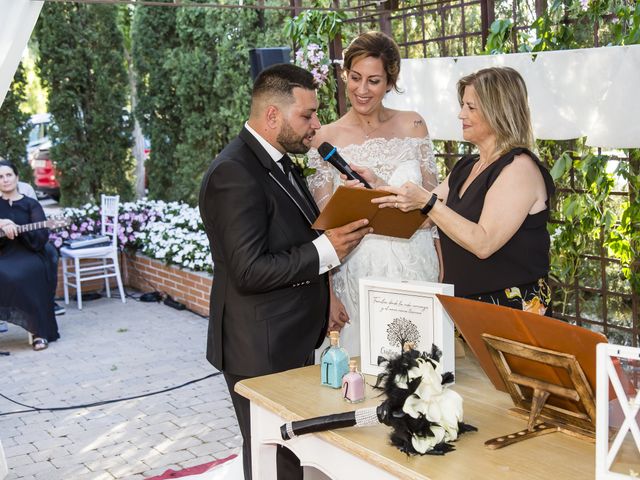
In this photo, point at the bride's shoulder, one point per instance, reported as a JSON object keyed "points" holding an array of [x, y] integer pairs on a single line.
{"points": [[410, 124], [336, 133]]}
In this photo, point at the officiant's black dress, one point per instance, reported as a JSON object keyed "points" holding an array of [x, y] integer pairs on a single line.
{"points": [[26, 277]]}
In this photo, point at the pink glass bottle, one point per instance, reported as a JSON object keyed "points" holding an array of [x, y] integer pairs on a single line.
{"points": [[353, 384]]}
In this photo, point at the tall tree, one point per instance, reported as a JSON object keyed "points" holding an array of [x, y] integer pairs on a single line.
{"points": [[210, 70], [194, 86], [125, 20], [153, 38], [82, 65], [13, 128]]}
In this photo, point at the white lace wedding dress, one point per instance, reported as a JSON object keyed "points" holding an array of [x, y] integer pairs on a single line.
{"points": [[396, 161]]}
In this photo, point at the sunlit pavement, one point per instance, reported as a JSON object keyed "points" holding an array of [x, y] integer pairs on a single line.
{"points": [[108, 351]]}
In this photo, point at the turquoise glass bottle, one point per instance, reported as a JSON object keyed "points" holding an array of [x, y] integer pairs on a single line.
{"points": [[334, 363]]}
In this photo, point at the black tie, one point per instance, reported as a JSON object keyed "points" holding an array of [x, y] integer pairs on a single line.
{"points": [[289, 170], [287, 164]]}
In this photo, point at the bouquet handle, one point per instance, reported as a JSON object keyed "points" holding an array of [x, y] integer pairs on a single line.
{"points": [[363, 417]]}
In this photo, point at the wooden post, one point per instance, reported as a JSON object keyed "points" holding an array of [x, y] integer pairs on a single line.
{"points": [[487, 17], [335, 52]]}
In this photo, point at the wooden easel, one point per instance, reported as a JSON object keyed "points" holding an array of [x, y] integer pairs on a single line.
{"points": [[532, 403]]}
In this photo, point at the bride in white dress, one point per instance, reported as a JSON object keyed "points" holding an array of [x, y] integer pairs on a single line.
{"points": [[396, 146]]}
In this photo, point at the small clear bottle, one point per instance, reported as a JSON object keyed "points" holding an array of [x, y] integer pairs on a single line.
{"points": [[353, 384], [334, 362]]}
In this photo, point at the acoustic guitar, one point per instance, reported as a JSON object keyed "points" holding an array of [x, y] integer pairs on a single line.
{"points": [[51, 223]]}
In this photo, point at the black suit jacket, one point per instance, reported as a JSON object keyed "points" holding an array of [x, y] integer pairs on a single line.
{"points": [[269, 306]]}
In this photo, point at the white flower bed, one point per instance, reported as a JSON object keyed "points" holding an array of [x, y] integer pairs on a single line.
{"points": [[171, 232]]}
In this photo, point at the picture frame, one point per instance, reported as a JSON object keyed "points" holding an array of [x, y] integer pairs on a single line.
{"points": [[394, 310]]}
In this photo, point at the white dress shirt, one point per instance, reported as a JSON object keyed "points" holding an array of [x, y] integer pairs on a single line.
{"points": [[326, 253]]}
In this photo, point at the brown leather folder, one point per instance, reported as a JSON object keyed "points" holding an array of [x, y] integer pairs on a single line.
{"points": [[351, 204], [475, 318]]}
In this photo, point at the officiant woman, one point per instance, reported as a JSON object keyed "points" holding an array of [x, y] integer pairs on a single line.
{"points": [[492, 209], [26, 278]]}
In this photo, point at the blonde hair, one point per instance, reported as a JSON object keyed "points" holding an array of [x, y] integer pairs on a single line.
{"points": [[502, 98], [376, 45]]}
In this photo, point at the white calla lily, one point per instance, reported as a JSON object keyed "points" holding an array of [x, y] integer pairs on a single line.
{"points": [[431, 383], [415, 406], [426, 444], [450, 407], [401, 381]]}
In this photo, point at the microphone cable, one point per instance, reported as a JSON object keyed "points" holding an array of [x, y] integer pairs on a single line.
{"points": [[100, 403]]}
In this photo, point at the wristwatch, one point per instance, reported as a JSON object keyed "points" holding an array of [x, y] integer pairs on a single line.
{"points": [[427, 208]]}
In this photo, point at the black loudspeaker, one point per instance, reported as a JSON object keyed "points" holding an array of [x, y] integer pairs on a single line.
{"points": [[261, 58]]}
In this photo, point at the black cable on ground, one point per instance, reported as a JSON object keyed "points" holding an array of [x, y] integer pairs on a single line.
{"points": [[101, 403], [132, 264]]}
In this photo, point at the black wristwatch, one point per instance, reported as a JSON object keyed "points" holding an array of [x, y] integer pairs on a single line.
{"points": [[427, 208]]}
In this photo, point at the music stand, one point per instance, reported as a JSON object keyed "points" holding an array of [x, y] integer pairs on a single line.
{"points": [[547, 366]]}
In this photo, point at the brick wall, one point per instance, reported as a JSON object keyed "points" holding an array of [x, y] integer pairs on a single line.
{"points": [[191, 288], [146, 275]]}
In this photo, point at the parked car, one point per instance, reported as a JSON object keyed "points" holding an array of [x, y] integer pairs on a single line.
{"points": [[44, 170], [45, 177]]}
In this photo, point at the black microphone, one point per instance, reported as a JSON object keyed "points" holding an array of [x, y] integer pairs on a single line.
{"points": [[331, 155]]}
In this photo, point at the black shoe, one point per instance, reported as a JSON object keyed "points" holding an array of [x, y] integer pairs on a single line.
{"points": [[58, 309]]}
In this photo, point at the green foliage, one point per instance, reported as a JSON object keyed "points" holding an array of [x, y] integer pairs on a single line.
{"points": [[626, 30], [569, 24], [13, 130], [623, 239], [194, 87], [497, 40], [588, 215], [210, 71], [82, 66], [313, 27]]}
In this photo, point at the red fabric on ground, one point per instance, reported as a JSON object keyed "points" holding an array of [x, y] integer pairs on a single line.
{"points": [[198, 469]]}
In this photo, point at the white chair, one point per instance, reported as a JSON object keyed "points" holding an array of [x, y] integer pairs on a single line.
{"points": [[98, 262]]}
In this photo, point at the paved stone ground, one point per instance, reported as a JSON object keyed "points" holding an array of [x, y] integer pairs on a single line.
{"points": [[107, 351]]}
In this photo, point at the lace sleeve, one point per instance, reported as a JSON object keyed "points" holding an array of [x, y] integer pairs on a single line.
{"points": [[429, 171], [321, 182], [428, 166]]}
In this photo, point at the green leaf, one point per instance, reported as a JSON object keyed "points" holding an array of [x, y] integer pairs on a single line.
{"points": [[561, 166]]}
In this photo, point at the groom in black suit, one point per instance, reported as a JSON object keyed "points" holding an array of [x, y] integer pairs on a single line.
{"points": [[270, 295]]}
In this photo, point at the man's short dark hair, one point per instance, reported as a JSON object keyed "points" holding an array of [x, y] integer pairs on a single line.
{"points": [[281, 79]]}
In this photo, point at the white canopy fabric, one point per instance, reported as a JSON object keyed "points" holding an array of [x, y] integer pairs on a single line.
{"points": [[16, 23], [593, 93]]}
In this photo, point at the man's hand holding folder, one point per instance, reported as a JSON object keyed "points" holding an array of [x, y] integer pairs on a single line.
{"points": [[352, 203]]}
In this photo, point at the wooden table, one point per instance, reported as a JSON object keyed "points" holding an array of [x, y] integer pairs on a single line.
{"points": [[365, 453]]}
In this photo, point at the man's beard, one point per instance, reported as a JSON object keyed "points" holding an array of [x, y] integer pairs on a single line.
{"points": [[291, 141]]}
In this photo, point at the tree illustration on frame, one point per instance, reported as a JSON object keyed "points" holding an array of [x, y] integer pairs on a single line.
{"points": [[401, 331]]}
